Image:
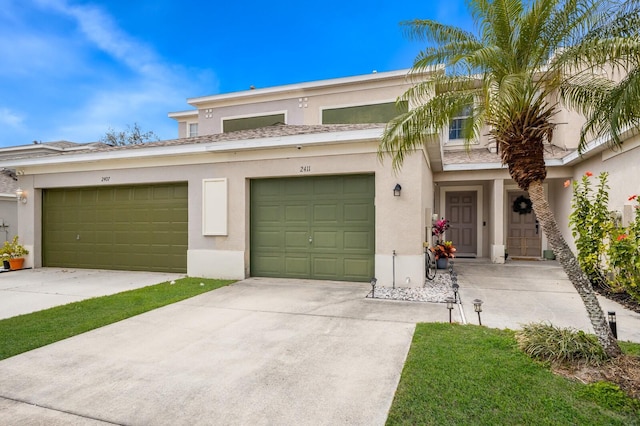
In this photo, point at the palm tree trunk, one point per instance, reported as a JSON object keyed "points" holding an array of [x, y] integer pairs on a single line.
{"points": [[572, 268]]}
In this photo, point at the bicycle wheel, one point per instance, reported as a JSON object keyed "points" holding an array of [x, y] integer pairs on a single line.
{"points": [[429, 265]]}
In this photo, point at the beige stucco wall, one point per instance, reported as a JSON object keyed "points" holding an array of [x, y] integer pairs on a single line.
{"points": [[301, 105], [8, 218], [399, 225]]}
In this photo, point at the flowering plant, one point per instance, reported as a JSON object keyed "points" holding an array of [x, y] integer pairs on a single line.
{"points": [[439, 228], [12, 250], [444, 249]]}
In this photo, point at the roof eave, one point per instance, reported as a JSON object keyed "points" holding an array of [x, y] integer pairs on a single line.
{"points": [[211, 147], [301, 86]]}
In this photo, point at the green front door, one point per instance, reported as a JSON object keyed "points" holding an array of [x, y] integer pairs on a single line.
{"points": [[313, 227], [138, 227]]}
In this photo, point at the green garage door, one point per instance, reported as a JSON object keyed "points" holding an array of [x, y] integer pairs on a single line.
{"points": [[136, 228], [313, 227]]}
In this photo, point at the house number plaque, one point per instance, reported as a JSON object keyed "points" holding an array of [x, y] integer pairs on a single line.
{"points": [[305, 169]]}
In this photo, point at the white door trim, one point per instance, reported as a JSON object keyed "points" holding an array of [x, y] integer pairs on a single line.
{"points": [[479, 206], [505, 224]]}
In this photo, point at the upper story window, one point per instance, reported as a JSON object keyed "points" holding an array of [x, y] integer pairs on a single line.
{"points": [[458, 123], [193, 129], [248, 123], [376, 113]]}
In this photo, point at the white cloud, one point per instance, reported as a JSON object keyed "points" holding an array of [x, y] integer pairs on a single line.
{"points": [[10, 118], [100, 29], [137, 85]]}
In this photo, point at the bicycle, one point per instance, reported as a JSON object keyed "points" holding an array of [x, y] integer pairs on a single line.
{"points": [[429, 263]]}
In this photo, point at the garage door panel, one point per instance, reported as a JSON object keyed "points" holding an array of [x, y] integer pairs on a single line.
{"points": [[337, 212], [326, 267], [296, 214], [358, 214], [270, 265], [269, 215], [120, 227], [329, 186], [358, 240], [296, 266], [326, 214], [294, 240], [327, 240], [357, 266], [296, 187], [268, 240]]}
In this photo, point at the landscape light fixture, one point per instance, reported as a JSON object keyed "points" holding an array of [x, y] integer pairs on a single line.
{"points": [[373, 281], [450, 303], [396, 190], [455, 288], [22, 197], [477, 306], [611, 315]]}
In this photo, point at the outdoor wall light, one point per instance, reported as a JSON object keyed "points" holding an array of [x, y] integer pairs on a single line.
{"points": [[396, 190], [611, 316], [450, 303], [477, 306], [373, 281], [22, 197]]}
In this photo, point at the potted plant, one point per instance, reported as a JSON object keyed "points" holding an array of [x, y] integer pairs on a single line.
{"points": [[14, 252], [443, 250], [5, 259]]}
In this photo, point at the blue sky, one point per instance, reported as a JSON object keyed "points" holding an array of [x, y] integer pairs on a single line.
{"points": [[73, 69]]}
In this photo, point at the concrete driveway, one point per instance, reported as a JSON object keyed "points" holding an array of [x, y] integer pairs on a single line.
{"points": [[261, 351], [268, 351], [30, 290]]}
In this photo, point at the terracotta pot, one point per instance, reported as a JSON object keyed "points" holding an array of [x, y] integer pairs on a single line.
{"points": [[16, 263]]}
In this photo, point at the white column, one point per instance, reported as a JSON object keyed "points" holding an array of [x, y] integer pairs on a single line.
{"points": [[497, 222]]}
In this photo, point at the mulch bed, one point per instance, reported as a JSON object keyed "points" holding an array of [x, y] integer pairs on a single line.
{"points": [[624, 371], [624, 299]]}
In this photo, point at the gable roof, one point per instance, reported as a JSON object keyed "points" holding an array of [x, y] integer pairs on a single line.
{"points": [[261, 138]]}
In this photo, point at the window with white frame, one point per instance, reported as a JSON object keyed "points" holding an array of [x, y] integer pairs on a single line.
{"points": [[193, 129], [458, 123]]}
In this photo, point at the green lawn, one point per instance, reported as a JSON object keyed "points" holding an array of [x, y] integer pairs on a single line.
{"points": [[26, 332], [469, 375]]}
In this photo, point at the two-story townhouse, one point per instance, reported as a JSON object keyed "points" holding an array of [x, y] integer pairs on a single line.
{"points": [[287, 182]]}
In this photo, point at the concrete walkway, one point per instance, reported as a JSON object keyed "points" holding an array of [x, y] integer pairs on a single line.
{"points": [[521, 292]]}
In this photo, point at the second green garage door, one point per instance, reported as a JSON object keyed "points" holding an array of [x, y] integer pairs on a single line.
{"points": [[313, 227], [138, 228]]}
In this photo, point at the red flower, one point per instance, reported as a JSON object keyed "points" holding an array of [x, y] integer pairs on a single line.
{"points": [[588, 174], [622, 237], [567, 183], [633, 197]]}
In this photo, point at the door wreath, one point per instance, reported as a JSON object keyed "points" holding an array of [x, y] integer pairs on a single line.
{"points": [[522, 205]]}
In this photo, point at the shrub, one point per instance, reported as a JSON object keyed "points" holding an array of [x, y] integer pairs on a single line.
{"points": [[624, 254], [591, 225], [608, 253], [610, 396], [546, 342]]}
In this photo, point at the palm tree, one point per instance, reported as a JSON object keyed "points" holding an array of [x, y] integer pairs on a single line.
{"points": [[529, 58]]}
